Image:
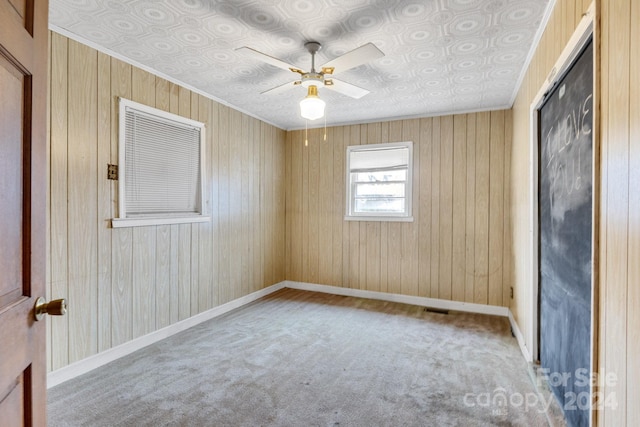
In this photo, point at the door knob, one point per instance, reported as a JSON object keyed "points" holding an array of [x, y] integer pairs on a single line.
{"points": [[56, 307]]}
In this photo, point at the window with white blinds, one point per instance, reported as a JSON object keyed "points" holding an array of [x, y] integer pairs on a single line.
{"points": [[379, 182], [160, 167]]}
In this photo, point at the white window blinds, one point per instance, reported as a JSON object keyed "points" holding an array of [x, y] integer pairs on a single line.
{"points": [[379, 159], [160, 173]]}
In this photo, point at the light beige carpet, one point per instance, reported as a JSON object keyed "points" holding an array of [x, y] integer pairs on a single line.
{"points": [[298, 358]]}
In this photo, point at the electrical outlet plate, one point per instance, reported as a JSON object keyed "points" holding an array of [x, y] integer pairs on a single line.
{"points": [[112, 172]]}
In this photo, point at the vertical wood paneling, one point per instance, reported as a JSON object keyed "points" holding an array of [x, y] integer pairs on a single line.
{"points": [[384, 228], [602, 57], [223, 204], [185, 235], [458, 259], [268, 210], [184, 271], [174, 269], [373, 246], [205, 230], [121, 238], [194, 254], [122, 296], [325, 193], [255, 207], [617, 49], [265, 188], [615, 140], [264, 235], [235, 203], [143, 90], [144, 298], [354, 229], [550, 52], [362, 245], [58, 193], [569, 18], [425, 200], [335, 140], [82, 194], [507, 234], [279, 200], [633, 297], [436, 254], [294, 207], [214, 195], [394, 254], [277, 203], [496, 207], [104, 188], [163, 234], [346, 227], [410, 232], [126, 282], [470, 217], [446, 207], [435, 209], [247, 134], [163, 276], [481, 251]]}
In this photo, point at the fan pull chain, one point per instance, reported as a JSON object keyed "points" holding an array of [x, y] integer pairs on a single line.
{"points": [[325, 127], [306, 139]]}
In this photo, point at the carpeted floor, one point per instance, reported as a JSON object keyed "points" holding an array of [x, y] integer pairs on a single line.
{"points": [[298, 358]]}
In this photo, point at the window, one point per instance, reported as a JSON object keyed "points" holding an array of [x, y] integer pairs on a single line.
{"points": [[379, 182], [160, 167]]}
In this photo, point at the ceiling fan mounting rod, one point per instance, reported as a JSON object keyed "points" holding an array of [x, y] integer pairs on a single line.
{"points": [[313, 47]]}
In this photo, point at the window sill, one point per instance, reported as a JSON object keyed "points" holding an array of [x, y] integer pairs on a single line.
{"points": [[140, 222], [379, 218]]}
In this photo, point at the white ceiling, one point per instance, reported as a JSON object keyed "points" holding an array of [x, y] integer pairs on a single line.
{"points": [[441, 56]]}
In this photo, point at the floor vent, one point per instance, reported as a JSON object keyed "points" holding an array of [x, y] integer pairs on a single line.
{"points": [[436, 310]]}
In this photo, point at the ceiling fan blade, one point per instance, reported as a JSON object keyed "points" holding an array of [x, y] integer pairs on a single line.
{"points": [[357, 56], [280, 88], [345, 88], [269, 59]]}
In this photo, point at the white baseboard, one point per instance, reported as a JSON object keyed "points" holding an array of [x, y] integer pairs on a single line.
{"points": [[421, 301], [92, 362], [405, 299], [520, 338]]}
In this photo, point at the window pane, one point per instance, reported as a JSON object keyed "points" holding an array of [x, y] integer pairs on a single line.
{"points": [[379, 205], [377, 190], [379, 181], [392, 175]]}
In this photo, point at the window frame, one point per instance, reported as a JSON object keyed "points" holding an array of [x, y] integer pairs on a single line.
{"points": [[407, 215], [161, 219]]}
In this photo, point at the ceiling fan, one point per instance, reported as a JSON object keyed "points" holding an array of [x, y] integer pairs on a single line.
{"points": [[323, 77]]}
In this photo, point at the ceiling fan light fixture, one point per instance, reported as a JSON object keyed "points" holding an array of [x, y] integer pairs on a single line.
{"points": [[312, 107]]}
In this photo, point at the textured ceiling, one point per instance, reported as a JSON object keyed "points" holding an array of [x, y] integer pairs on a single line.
{"points": [[441, 56]]}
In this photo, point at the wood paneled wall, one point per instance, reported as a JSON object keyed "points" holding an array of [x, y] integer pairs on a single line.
{"points": [[562, 23], [619, 335], [617, 71], [459, 245], [124, 283]]}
